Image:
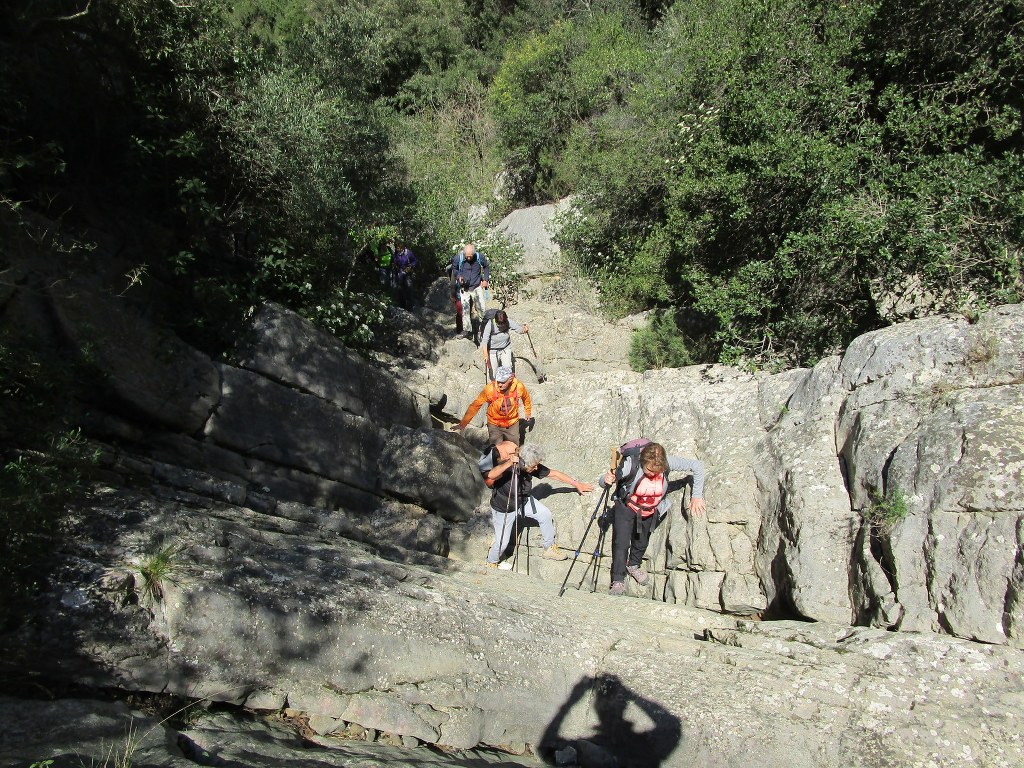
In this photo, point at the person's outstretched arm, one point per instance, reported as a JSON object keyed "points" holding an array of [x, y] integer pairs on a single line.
{"points": [[564, 478], [475, 406], [696, 469]]}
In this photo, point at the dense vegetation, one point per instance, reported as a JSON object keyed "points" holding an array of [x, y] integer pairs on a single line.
{"points": [[779, 176], [770, 177]]}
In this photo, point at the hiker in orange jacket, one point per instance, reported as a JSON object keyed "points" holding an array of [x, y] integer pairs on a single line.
{"points": [[502, 396]]}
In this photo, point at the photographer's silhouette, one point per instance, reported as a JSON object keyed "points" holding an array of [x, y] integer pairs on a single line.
{"points": [[615, 733]]}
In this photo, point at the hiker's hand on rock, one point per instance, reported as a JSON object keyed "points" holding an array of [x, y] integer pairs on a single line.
{"points": [[458, 428], [697, 506], [584, 487]]}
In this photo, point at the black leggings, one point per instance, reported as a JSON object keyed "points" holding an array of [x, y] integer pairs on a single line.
{"points": [[630, 534]]}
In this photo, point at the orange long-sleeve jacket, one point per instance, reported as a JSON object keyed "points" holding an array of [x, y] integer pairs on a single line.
{"points": [[503, 407]]}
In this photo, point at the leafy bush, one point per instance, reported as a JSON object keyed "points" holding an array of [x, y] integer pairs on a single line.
{"points": [[44, 462], [659, 344], [817, 165], [554, 81]]}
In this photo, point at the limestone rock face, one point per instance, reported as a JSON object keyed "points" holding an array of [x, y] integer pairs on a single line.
{"points": [[300, 418], [276, 609], [798, 466]]}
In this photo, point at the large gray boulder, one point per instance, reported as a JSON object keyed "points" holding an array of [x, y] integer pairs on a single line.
{"points": [[932, 426], [151, 373], [533, 228], [803, 552], [284, 347]]}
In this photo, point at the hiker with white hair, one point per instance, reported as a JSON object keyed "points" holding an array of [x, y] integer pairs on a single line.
{"points": [[509, 471]]}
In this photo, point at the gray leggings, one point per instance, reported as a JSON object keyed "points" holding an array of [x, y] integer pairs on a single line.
{"points": [[507, 520]]}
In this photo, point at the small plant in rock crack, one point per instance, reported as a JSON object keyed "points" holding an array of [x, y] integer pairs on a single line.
{"points": [[887, 510], [157, 569], [982, 348], [117, 755], [940, 395]]}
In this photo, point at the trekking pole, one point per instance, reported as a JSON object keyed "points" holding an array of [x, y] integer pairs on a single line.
{"points": [[596, 561], [576, 554], [527, 545], [515, 511], [600, 503], [541, 376]]}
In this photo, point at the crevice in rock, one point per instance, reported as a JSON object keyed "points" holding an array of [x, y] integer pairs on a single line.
{"points": [[214, 408], [1013, 595]]}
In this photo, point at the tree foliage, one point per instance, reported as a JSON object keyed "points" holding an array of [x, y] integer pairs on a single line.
{"points": [[827, 170], [781, 175]]}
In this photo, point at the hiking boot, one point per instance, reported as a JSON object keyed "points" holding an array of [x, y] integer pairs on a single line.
{"points": [[640, 577], [554, 553], [505, 566], [617, 588], [488, 564]]}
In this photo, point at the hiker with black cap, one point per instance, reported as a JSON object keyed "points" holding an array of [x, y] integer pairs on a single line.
{"points": [[509, 472], [496, 340], [502, 396], [641, 501]]}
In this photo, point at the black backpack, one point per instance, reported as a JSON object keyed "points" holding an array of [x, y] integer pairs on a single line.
{"points": [[488, 318]]}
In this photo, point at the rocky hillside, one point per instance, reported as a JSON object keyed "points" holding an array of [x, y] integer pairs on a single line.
{"points": [[289, 534], [882, 488]]}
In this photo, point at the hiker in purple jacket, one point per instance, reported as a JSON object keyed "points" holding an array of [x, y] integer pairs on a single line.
{"points": [[402, 265]]}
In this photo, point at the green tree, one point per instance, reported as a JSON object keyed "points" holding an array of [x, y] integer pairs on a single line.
{"points": [[820, 161], [555, 82]]}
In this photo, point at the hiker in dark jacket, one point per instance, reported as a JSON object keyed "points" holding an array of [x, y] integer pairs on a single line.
{"points": [[640, 504], [496, 342], [496, 465], [471, 274], [402, 265]]}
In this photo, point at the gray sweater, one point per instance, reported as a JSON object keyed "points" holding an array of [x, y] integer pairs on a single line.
{"points": [[492, 338]]}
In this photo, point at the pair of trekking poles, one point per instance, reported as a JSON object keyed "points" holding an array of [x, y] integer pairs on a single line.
{"points": [[603, 524], [602, 517], [513, 501]]}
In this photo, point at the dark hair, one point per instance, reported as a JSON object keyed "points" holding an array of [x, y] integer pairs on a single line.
{"points": [[501, 319]]}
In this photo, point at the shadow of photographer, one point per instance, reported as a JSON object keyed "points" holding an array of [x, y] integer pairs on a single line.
{"points": [[616, 739]]}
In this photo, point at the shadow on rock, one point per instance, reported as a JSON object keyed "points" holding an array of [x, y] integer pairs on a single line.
{"points": [[619, 738]]}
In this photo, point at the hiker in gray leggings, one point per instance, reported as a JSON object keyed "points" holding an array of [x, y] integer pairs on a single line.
{"points": [[498, 467]]}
